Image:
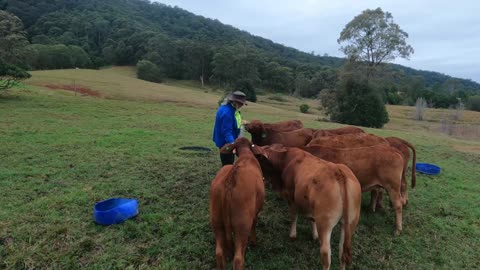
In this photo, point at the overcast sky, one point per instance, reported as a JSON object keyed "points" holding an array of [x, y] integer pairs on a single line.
{"points": [[444, 34]]}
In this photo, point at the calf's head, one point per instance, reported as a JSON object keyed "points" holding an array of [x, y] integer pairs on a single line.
{"points": [[241, 145], [270, 158], [256, 128]]}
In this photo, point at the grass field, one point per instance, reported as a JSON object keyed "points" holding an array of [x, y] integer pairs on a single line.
{"points": [[61, 153]]}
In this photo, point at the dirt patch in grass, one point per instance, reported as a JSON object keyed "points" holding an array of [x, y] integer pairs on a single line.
{"points": [[82, 90], [468, 149]]}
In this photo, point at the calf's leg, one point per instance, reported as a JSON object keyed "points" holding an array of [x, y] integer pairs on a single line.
{"points": [[220, 249], [397, 204], [292, 210], [253, 233], [324, 232], [314, 230], [241, 241]]}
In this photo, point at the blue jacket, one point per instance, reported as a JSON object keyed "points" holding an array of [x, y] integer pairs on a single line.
{"points": [[226, 129]]}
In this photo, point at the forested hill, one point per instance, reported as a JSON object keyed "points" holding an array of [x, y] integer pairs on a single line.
{"points": [[185, 46], [92, 23]]}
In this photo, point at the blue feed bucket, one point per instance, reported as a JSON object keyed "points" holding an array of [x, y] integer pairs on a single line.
{"points": [[114, 210], [427, 168]]}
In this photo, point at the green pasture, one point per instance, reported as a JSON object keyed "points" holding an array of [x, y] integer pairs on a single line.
{"points": [[61, 153]]}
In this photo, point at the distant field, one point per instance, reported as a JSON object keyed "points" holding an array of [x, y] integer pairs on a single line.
{"points": [[61, 153]]}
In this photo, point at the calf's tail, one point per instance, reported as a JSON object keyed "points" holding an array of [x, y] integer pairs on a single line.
{"points": [[347, 242]]}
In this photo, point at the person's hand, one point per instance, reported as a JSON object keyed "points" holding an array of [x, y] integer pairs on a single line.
{"points": [[234, 151]]}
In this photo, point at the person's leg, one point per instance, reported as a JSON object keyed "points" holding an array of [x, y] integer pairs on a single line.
{"points": [[227, 159]]}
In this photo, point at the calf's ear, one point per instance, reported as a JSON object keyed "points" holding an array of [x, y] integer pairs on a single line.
{"points": [[227, 148], [258, 151], [278, 148]]}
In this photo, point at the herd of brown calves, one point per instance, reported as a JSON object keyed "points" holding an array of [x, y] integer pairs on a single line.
{"points": [[321, 173]]}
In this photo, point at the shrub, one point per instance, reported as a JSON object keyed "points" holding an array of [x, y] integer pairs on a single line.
{"points": [[148, 71], [394, 98], [474, 103], [11, 75], [357, 103], [304, 108]]}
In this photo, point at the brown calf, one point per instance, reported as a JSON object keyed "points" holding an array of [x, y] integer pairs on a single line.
{"points": [[236, 197], [365, 139], [402, 146], [288, 125], [323, 191], [374, 166], [337, 131], [348, 140], [263, 136]]}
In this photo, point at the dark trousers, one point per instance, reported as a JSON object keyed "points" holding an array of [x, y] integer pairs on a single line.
{"points": [[227, 159]]}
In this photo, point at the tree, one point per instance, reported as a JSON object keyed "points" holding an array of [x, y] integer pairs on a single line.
{"points": [[374, 38], [246, 87], [222, 67], [324, 79], [303, 86], [12, 38], [164, 52], [196, 59], [277, 78], [234, 63], [420, 109], [12, 43], [148, 71]]}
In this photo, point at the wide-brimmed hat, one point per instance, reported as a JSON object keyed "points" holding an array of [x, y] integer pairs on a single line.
{"points": [[238, 96]]}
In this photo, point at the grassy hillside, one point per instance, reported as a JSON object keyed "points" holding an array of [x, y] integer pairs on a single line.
{"points": [[121, 83], [61, 153]]}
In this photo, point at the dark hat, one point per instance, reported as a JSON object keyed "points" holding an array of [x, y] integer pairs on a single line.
{"points": [[238, 96]]}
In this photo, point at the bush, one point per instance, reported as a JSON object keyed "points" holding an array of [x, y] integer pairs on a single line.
{"points": [[474, 103], [10, 75], [148, 71], [444, 101], [304, 108], [246, 87], [394, 99], [357, 103]]}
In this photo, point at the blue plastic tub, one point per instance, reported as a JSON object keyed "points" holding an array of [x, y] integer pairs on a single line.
{"points": [[114, 210], [427, 168]]}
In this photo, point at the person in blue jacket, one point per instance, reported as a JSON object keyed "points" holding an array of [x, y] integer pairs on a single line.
{"points": [[228, 122]]}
